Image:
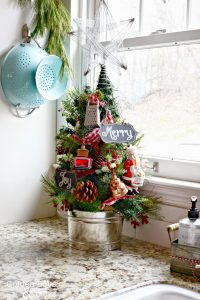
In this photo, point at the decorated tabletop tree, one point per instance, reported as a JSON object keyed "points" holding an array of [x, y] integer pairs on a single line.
{"points": [[99, 165]]}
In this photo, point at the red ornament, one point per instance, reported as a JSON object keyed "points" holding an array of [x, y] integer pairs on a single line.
{"points": [[144, 219], [83, 163], [114, 156], [108, 119], [60, 150], [94, 100], [135, 224]]}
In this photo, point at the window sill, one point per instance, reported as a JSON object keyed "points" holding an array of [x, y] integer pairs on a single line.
{"points": [[173, 192], [173, 183]]}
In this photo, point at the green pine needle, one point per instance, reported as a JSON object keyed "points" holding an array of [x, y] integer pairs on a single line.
{"points": [[85, 206], [52, 18], [24, 2], [133, 208], [49, 185]]}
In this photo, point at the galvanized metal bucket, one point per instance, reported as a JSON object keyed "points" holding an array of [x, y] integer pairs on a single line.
{"points": [[99, 231]]}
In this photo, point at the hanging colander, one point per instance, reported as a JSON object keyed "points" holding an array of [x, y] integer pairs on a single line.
{"points": [[18, 76], [50, 84]]}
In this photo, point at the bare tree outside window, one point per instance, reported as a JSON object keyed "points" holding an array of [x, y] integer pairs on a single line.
{"points": [[160, 95]]}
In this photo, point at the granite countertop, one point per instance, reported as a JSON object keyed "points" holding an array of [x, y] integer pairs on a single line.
{"points": [[36, 263]]}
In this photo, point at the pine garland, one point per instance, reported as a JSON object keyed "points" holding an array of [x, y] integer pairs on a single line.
{"points": [[50, 186], [133, 209], [23, 2], [74, 108], [66, 143], [51, 16], [104, 186], [85, 206]]}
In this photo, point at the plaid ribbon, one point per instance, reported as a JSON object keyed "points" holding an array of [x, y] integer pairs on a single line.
{"points": [[112, 200], [81, 173], [89, 139], [93, 136]]}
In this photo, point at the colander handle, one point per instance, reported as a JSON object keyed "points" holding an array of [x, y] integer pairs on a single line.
{"points": [[26, 37], [20, 115], [36, 43], [28, 42]]}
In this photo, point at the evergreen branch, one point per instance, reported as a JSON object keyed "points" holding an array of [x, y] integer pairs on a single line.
{"points": [[56, 193], [74, 108], [103, 187], [57, 199], [86, 206], [137, 206], [138, 140], [24, 2], [50, 186], [120, 170], [52, 17], [67, 143], [63, 196]]}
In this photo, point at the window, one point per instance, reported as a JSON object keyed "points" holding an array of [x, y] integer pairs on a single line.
{"points": [[126, 9], [160, 92], [194, 20], [160, 95], [169, 15]]}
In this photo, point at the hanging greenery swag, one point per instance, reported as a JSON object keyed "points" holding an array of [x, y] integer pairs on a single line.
{"points": [[51, 16]]}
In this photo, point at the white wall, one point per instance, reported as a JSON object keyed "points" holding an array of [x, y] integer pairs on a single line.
{"points": [[175, 202], [27, 146]]}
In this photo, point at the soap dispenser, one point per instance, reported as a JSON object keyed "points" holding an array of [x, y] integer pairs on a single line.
{"points": [[189, 228]]}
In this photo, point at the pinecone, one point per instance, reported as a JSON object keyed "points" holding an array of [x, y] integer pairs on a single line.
{"points": [[86, 191]]}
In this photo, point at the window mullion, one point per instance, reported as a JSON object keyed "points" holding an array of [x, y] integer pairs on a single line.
{"points": [[161, 40], [140, 16], [188, 14]]}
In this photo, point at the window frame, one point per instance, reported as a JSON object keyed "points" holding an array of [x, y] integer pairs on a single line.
{"points": [[168, 167]]}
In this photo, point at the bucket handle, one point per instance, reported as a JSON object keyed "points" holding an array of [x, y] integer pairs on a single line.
{"points": [[172, 228], [18, 112]]}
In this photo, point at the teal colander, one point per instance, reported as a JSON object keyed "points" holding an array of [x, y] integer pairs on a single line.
{"points": [[18, 76], [49, 83]]}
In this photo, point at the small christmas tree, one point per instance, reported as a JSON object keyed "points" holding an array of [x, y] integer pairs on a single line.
{"points": [[104, 85], [94, 175]]}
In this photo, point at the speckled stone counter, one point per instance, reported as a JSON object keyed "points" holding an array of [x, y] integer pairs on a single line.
{"points": [[36, 263]]}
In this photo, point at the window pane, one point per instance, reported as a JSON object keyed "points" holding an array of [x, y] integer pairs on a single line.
{"points": [[194, 19], [160, 95], [163, 14], [124, 10]]}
